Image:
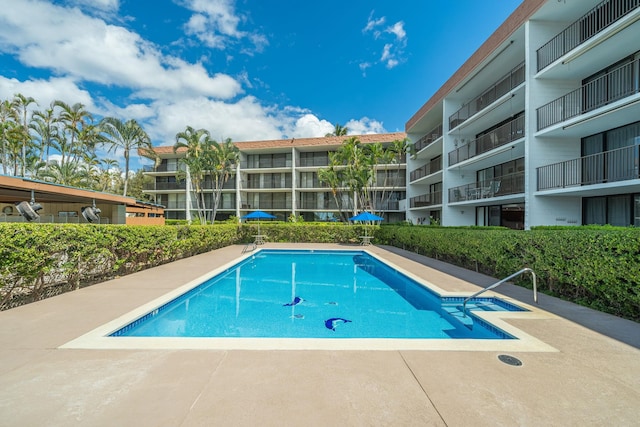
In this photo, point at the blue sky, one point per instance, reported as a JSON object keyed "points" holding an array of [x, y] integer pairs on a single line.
{"points": [[243, 69]]}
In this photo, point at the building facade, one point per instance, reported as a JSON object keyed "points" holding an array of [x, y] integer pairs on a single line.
{"points": [[541, 126], [279, 177]]}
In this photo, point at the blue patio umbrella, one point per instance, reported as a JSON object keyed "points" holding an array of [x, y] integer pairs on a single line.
{"points": [[258, 215], [366, 216]]}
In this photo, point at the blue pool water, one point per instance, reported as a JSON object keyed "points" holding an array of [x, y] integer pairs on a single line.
{"points": [[315, 294]]}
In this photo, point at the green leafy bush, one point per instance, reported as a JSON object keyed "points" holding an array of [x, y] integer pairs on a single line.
{"points": [[594, 266], [36, 257], [598, 267]]}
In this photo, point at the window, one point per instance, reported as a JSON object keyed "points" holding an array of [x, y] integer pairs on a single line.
{"points": [[320, 159], [621, 210], [612, 155]]}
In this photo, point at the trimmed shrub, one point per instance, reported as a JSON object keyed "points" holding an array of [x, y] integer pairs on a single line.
{"points": [[598, 267], [36, 258]]}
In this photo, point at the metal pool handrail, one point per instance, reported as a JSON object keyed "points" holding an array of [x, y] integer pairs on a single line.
{"points": [[495, 285]]}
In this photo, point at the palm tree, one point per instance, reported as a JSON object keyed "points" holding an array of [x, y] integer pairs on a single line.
{"points": [[195, 142], [126, 136], [44, 124], [339, 130], [15, 137], [354, 166], [224, 157], [109, 175], [8, 120], [63, 173], [332, 176], [74, 118], [21, 105]]}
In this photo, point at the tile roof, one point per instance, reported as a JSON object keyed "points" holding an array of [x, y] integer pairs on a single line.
{"points": [[302, 142]]}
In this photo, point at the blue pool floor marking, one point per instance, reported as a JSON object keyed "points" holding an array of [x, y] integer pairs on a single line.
{"points": [[334, 322], [296, 301]]}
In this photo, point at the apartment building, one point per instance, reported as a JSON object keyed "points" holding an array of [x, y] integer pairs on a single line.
{"points": [[279, 177], [541, 126]]}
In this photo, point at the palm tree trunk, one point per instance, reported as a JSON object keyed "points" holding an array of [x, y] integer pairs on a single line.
{"points": [[126, 172]]}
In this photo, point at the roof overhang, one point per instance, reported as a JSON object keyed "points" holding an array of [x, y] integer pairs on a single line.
{"points": [[16, 189]]}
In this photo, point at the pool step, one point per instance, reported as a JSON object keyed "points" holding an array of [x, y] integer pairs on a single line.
{"points": [[456, 312]]}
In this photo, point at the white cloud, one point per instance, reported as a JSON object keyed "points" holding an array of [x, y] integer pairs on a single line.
{"points": [[46, 91], [46, 36], [386, 52], [103, 5], [393, 50], [398, 30], [363, 67], [215, 23], [309, 126], [164, 93], [244, 120], [364, 126], [388, 57], [373, 23], [392, 63]]}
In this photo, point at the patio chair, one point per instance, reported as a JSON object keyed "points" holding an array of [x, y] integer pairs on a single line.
{"points": [[492, 189]]}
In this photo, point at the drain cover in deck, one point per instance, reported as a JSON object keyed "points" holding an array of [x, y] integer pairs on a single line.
{"points": [[510, 360]]}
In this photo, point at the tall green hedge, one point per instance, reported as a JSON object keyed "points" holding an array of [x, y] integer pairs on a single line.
{"points": [[596, 267], [35, 256], [315, 232]]}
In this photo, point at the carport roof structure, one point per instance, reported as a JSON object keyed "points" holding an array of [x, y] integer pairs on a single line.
{"points": [[18, 189]]}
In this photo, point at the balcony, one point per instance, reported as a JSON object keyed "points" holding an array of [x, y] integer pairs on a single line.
{"points": [[428, 139], [266, 205], [318, 205], [617, 84], [435, 165], [314, 183], [499, 186], [267, 162], [610, 166], [164, 168], [387, 205], [319, 161], [503, 135], [270, 184], [593, 22], [507, 83], [160, 186], [425, 200]]}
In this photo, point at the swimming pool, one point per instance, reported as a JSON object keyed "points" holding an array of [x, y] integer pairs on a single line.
{"points": [[316, 294]]}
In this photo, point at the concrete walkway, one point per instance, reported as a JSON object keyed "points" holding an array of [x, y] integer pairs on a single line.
{"points": [[592, 379]]}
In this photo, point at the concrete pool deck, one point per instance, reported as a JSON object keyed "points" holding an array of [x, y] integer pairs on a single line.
{"points": [[591, 378]]}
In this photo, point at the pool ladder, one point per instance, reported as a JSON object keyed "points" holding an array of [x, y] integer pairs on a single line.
{"points": [[506, 279], [249, 247]]}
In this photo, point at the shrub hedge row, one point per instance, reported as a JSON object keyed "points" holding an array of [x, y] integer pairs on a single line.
{"points": [[37, 257], [597, 267]]}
